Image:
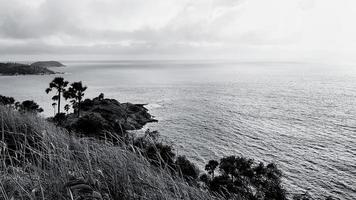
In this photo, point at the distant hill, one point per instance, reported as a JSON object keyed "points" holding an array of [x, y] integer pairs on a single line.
{"points": [[22, 69], [47, 64]]}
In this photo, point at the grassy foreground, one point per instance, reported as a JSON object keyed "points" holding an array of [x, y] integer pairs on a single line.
{"points": [[51, 164]]}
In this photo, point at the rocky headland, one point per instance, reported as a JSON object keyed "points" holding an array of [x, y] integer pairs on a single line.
{"points": [[47, 64], [99, 116], [11, 69]]}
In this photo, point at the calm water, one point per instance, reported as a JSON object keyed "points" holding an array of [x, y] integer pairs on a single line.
{"points": [[301, 116]]}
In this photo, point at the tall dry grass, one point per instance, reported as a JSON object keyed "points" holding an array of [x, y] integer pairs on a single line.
{"points": [[48, 163]]}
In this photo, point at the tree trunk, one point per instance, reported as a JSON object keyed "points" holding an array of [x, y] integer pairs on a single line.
{"points": [[78, 108], [59, 101]]}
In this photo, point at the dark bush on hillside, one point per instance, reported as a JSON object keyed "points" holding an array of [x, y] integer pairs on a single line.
{"points": [[161, 155], [241, 177], [91, 124], [187, 169], [4, 100], [59, 119], [156, 152], [29, 106]]}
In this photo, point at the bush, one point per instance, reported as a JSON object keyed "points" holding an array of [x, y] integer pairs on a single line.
{"points": [[4, 100], [187, 169], [161, 155], [243, 178], [28, 106]]}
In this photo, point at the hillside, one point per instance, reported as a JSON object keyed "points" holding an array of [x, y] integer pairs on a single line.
{"points": [[51, 164], [23, 69]]}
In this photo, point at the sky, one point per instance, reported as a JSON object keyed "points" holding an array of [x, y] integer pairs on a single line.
{"points": [[280, 30]]}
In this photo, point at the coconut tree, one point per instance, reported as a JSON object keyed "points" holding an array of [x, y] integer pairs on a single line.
{"points": [[76, 93], [59, 85]]}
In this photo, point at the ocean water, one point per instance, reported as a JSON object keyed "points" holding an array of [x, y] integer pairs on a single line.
{"points": [[301, 116]]}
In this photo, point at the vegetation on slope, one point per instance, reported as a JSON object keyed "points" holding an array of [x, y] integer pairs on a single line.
{"points": [[45, 160], [42, 161]]}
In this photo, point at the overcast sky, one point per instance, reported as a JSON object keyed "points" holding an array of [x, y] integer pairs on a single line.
{"points": [[236, 29]]}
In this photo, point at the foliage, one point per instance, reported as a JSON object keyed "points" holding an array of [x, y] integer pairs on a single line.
{"points": [[211, 167], [76, 93], [101, 96], [59, 119], [25, 106], [186, 168], [90, 125], [22, 69], [29, 106], [58, 84], [67, 108], [7, 101], [241, 177]]}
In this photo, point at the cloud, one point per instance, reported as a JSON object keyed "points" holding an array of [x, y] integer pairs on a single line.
{"points": [[176, 27]]}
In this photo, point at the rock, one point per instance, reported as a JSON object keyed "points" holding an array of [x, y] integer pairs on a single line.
{"points": [[22, 69], [99, 116], [47, 64]]}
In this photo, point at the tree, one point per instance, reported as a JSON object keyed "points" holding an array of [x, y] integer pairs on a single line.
{"points": [[211, 166], [59, 84], [101, 96], [7, 101], [29, 106], [76, 93], [54, 105], [67, 108], [242, 177]]}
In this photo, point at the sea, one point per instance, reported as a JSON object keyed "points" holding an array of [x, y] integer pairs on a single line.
{"points": [[301, 116]]}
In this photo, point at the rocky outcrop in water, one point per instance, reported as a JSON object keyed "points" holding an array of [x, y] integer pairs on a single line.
{"points": [[23, 69], [99, 116]]}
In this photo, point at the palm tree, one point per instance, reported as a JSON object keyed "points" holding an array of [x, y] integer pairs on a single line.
{"points": [[76, 93], [59, 84], [54, 105]]}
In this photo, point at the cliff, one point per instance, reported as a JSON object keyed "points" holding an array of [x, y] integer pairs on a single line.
{"points": [[98, 116]]}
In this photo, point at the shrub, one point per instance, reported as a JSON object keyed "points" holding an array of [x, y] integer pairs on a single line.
{"points": [[187, 169], [7, 101], [211, 166], [243, 178], [29, 106]]}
